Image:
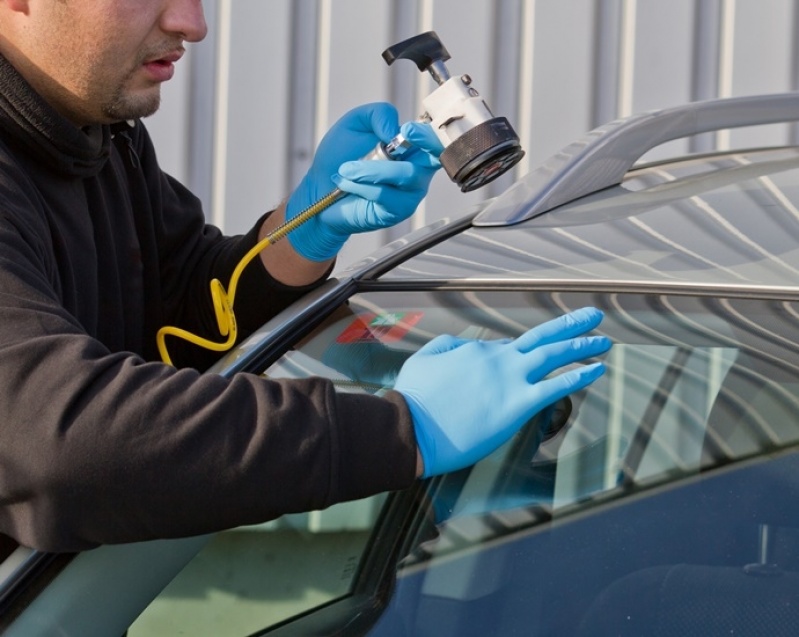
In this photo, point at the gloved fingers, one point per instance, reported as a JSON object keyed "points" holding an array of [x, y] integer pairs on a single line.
{"points": [[378, 207], [380, 118], [524, 401], [403, 174], [547, 358], [441, 344], [353, 135], [545, 392], [564, 327], [393, 192], [422, 158], [422, 136]]}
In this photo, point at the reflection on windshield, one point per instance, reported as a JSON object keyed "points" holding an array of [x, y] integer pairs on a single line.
{"points": [[679, 462], [691, 383]]}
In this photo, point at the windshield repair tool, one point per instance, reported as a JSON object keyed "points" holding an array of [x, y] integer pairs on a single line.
{"points": [[478, 148]]}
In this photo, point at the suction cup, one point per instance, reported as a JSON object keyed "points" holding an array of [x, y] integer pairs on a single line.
{"points": [[482, 154]]}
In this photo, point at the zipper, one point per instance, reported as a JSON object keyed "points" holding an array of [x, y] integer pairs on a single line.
{"points": [[133, 156]]}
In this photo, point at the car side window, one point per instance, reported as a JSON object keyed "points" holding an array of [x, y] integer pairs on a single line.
{"points": [[252, 577]]}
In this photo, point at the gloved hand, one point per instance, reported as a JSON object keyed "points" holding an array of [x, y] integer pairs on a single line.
{"points": [[384, 192], [469, 397]]}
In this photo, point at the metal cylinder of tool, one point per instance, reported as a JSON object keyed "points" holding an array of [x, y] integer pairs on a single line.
{"points": [[478, 146]]}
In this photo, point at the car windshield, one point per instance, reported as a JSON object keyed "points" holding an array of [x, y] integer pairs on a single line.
{"points": [[676, 360], [696, 388], [693, 384]]}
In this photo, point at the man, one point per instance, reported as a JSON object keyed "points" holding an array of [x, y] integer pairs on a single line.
{"points": [[101, 442]]}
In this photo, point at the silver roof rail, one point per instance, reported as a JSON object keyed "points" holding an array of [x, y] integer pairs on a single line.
{"points": [[603, 157]]}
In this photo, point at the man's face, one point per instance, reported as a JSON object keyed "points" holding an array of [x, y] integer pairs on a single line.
{"points": [[101, 61]]}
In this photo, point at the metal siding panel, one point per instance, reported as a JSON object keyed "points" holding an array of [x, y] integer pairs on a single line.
{"points": [[357, 32], [525, 97], [663, 58], [627, 38], [606, 64], [402, 83], [562, 76], [762, 60], [706, 68], [200, 114], [663, 61], [794, 130], [257, 111], [466, 27], [303, 65]]}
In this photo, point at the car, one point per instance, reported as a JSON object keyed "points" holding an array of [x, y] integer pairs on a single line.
{"points": [[660, 500]]}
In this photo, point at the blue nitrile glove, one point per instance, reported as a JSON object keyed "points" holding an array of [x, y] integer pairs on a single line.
{"points": [[469, 397], [384, 192]]}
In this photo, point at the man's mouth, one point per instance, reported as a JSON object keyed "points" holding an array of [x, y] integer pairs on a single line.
{"points": [[162, 68], [171, 57]]}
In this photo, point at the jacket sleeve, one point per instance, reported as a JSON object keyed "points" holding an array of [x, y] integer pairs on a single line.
{"points": [[100, 446]]}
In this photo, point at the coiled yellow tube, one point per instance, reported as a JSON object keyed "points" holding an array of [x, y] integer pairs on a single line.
{"points": [[223, 299]]}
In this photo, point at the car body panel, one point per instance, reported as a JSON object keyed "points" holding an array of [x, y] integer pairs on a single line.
{"points": [[584, 574]]}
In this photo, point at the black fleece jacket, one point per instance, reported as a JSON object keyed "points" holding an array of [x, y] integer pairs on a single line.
{"points": [[99, 441]]}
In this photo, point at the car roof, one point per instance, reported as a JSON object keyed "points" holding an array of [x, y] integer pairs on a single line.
{"points": [[721, 221]]}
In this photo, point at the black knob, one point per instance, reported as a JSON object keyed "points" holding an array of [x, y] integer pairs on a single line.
{"points": [[423, 49]]}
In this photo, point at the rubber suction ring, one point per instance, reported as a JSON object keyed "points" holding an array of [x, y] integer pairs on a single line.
{"points": [[482, 154]]}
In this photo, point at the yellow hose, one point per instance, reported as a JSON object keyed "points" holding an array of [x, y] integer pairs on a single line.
{"points": [[223, 299]]}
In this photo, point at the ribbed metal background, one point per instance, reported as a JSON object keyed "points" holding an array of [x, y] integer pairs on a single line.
{"points": [[248, 105]]}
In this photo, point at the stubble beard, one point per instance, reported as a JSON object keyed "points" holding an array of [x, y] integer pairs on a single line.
{"points": [[121, 105]]}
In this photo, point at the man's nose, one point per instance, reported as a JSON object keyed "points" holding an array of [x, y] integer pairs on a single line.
{"points": [[186, 18]]}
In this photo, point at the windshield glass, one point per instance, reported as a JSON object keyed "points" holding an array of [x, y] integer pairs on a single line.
{"points": [[675, 360], [679, 457], [692, 384]]}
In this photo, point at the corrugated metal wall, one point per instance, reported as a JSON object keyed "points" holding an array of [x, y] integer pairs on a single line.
{"points": [[241, 119]]}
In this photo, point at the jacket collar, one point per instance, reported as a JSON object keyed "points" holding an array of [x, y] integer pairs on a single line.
{"points": [[31, 123]]}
